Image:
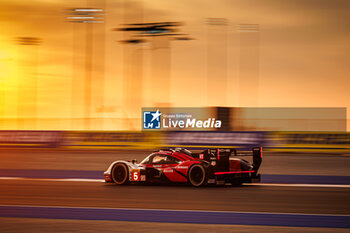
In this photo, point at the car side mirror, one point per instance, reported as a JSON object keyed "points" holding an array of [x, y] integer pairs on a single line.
{"points": [[134, 161]]}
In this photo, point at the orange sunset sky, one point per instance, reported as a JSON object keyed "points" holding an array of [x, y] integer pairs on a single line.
{"points": [[303, 56]]}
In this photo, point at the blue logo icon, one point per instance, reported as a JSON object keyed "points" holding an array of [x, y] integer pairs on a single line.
{"points": [[151, 120]]}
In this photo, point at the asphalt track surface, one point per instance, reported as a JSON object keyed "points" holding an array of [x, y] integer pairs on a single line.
{"points": [[246, 198], [318, 201]]}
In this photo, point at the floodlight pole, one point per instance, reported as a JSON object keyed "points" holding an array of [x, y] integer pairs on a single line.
{"points": [[87, 16], [33, 41], [155, 30], [249, 64], [212, 61], [88, 74]]}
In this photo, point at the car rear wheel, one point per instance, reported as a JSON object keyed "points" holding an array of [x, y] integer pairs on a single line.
{"points": [[197, 175], [120, 174]]}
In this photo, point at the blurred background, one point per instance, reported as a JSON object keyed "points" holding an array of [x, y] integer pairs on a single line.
{"points": [[92, 64], [75, 76]]}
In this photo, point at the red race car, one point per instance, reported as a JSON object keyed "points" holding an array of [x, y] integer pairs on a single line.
{"points": [[211, 166]]}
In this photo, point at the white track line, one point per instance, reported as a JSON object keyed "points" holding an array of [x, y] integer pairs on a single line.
{"points": [[251, 184], [302, 185], [48, 179]]}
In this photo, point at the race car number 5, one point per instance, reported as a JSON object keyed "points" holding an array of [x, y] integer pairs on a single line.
{"points": [[136, 175]]}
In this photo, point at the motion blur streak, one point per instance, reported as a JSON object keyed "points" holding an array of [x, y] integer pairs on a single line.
{"points": [[79, 80], [57, 75], [254, 184], [303, 185], [308, 200], [177, 216], [59, 178], [41, 179]]}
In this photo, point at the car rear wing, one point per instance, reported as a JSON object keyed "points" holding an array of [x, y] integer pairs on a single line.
{"points": [[257, 156], [222, 155]]}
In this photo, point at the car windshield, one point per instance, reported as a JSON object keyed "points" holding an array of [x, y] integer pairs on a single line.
{"points": [[156, 158], [159, 159], [146, 160]]}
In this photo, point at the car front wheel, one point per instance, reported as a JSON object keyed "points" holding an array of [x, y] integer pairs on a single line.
{"points": [[120, 174]]}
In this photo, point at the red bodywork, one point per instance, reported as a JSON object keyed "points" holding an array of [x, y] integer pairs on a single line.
{"points": [[175, 172]]}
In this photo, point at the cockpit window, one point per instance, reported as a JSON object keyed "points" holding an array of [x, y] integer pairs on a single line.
{"points": [[148, 159], [155, 159], [160, 159]]}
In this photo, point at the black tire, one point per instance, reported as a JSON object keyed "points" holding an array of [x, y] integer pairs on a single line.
{"points": [[120, 174], [197, 175]]}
